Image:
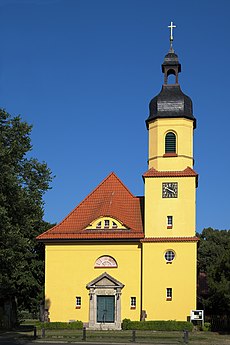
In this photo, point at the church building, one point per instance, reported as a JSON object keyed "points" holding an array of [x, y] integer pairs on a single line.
{"points": [[118, 256]]}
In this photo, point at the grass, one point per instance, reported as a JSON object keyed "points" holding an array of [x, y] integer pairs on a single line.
{"points": [[143, 337]]}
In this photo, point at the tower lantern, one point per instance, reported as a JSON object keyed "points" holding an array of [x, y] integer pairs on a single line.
{"points": [[171, 111]]}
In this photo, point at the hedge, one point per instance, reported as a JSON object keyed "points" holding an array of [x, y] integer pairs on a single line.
{"points": [[61, 325], [170, 325]]}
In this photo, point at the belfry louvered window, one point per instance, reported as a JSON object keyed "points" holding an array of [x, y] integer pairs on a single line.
{"points": [[170, 143]]}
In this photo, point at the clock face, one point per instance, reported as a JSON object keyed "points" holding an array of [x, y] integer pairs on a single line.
{"points": [[169, 190]]}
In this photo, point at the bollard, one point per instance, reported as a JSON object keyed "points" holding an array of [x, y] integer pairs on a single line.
{"points": [[84, 334], [185, 337], [35, 332], [43, 333], [133, 336]]}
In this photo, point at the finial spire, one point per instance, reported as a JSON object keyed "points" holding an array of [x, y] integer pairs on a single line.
{"points": [[171, 27]]}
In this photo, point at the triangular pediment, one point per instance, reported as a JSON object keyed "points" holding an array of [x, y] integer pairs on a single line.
{"points": [[104, 280]]}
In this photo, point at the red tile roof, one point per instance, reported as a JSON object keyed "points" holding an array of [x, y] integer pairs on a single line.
{"points": [[110, 198], [183, 173]]}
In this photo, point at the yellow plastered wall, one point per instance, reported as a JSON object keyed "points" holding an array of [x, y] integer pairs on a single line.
{"points": [[182, 208], [69, 268], [180, 276], [183, 129]]}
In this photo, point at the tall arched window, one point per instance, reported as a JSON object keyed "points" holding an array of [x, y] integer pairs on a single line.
{"points": [[170, 143]]}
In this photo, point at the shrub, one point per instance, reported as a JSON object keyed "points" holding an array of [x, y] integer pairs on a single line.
{"points": [[125, 324], [170, 325], [206, 327]]}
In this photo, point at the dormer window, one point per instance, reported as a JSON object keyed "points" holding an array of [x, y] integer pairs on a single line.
{"points": [[99, 225], [106, 223]]}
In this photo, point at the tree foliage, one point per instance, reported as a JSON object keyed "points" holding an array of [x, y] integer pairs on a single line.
{"points": [[23, 181], [214, 261]]}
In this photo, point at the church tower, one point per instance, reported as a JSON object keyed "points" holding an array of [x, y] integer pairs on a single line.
{"points": [[118, 256], [169, 246]]}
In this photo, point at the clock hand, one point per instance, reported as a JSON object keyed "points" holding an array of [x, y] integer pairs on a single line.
{"points": [[170, 190]]}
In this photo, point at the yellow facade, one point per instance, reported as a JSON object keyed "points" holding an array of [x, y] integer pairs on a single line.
{"points": [[137, 255], [181, 208], [159, 275], [183, 129], [69, 268], [180, 274]]}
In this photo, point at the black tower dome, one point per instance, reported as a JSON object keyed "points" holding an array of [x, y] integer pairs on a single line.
{"points": [[171, 101]]}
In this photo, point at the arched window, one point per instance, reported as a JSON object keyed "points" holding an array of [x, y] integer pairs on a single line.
{"points": [[105, 261], [171, 76], [170, 143]]}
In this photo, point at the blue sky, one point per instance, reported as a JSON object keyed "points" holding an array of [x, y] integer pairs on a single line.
{"points": [[82, 72]]}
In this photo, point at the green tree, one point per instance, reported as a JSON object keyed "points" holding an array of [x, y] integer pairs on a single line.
{"points": [[214, 261], [23, 181]]}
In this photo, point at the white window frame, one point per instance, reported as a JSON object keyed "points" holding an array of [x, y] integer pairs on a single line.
{"points": [[168, 294], [169, 222], [78, 302], [133, 302], [98, 225], [106, 222], [169, 256], [114, 225]]}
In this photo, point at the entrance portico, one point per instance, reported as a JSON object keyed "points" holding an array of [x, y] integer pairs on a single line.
{"points": [[105, 302]]}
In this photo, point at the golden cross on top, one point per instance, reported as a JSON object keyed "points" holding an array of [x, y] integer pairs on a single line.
{"points": [[171, 27]]}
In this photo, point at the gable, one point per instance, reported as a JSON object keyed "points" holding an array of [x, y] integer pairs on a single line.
{"points": [[110, 199], [104, 280]]}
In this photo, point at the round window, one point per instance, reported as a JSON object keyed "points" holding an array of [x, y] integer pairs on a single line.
{"points": [[169, 255]]}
